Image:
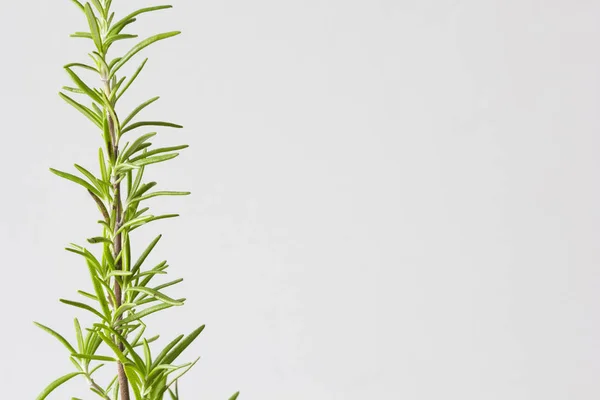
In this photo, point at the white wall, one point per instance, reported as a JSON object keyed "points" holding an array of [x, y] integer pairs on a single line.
{"points": [[391, 199]]}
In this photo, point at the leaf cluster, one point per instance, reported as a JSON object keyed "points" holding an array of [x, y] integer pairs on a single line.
{"points": [[124, 291]]}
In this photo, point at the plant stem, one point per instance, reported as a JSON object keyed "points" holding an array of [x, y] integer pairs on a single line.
{"points": [[117, 244]]}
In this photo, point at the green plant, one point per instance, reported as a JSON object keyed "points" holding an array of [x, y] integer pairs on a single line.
{"points": [[124, 292]]}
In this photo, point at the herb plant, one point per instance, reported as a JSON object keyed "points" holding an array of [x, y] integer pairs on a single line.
{"points": [[124, 291]]}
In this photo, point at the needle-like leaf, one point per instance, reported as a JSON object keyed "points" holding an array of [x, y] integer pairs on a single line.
{"points": [[118, 26], [139, 47], [156, 294], [77, 180], [84, 307], [93, 24], [145, 312], [57, 383], [138, 109], [58, 336], [149, 123], [83, 109]]}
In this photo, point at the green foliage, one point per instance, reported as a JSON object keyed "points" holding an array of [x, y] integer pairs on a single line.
{"points": [[121, 297]]}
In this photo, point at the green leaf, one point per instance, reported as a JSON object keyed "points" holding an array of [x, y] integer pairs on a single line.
{"points": [[164, 216], [99, 7], [119, 25], [145, 312], [160, 267], [97, 283], [78, 4], [84, 307], [81, 35], [156, 294], [149, 123], [122, 340], [161, 193], [177, 350], [115, 88], [178, 376], [93, 23], [235, 396], [96, 368], [84, 66], [80, 341], [99, 239], [58, 336], [57, 383], [95, 357], [115, 38], [102, 162], [144, 255], [110, 292], [91, 177], [145, 273], [171, 283], [130, 225], [83, 86], [133, 77], [73, 90], [140, 46], [155, 159], [123, 308], [82, 109], [165, 351], [113, 347], [134, 381], [145, 187], [147, 355], [138, 109], [86, 254], [158, 151], [118, 272], [135, 146], [88, 295], [77, 180]]}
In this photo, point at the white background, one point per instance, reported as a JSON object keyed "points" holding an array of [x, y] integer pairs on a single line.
{"points": [[391, 199]]}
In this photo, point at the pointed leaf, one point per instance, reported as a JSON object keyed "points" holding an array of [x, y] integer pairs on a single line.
{"points": [[144, 313], [56, 384], [80, 341], [83, 86], [135, 146], [84, 307], [95, 357], [77, 180], [156, 294], [82, 109], [159, 150], [177, 350], [93, 24], [58, 336], [149, 123], [133, 77], [155, 159], [145, 254], [139, 47], [165, 351], [161, 193], [78, 4], [119, 25], [137, 110]]}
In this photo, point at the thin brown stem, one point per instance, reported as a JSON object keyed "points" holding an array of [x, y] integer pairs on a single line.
{"points": [[117, 244]]}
